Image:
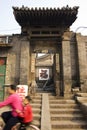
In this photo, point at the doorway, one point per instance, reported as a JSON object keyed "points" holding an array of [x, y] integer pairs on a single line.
{"points": [[48, 64], [44, 72]]}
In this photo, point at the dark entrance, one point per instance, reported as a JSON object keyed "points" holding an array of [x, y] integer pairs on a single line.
{"points": [[44, 72]]}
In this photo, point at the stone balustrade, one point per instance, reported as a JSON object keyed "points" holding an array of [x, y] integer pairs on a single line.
{"points": [[81, 99]]}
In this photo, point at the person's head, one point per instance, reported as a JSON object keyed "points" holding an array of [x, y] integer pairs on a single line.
{"points": [[27, 100], [11, 89]]}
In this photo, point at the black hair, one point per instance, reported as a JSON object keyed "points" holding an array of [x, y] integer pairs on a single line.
{"points": [[28, 98], [13, 87]]}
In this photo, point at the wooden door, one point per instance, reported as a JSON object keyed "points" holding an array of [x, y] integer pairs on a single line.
{"points": [[2, 76]]}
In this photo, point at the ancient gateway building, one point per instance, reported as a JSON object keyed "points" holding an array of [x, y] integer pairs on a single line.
{"points": [[45, 31]]}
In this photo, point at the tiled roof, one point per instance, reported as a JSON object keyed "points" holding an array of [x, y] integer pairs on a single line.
{"points": [[45, 16]]}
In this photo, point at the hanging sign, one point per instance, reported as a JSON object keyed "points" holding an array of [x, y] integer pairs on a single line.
{"points": [[33, 63], [43, 74]]}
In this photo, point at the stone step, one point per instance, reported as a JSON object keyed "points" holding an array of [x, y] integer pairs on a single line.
{"points": [[55, 101], [37, 116], [51, 97], [36, 97], [63, 106], [65, 111], [69, 129], [67, 117], [38, 101], [36, 110], [37, 123], [68, 124], [35, 105]]}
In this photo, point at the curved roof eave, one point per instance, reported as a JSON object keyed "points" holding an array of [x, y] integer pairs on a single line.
{"points": [[45, 16]]}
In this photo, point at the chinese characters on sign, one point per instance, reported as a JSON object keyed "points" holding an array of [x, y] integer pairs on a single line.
{"points": [[22, 90], [43, 74]]}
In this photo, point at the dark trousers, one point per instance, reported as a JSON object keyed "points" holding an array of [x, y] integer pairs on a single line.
{"points": [[9, 120]]}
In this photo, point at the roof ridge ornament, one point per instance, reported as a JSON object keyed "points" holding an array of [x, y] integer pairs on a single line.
{"points": [[46, 8]]}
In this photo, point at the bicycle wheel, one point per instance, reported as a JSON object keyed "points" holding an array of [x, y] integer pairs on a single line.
{"points": [[16, 127], [32, 127]]}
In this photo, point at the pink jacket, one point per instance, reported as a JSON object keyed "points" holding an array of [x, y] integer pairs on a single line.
{"points": [[14, 101]]}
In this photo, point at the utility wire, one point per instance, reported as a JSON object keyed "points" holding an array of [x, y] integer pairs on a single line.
{"points": [[83, 27]]}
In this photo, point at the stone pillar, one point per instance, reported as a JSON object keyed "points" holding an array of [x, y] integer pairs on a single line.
{"points": [[24, 62], [66, 63], [82, 57], [57, 75], [29, 78], [33, 82], [10, 69]]}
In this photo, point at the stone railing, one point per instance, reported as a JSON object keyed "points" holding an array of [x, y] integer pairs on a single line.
{"points": [[81, 99]]}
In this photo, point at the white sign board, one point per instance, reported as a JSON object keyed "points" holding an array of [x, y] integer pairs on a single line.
{"points": [[22, 90]]}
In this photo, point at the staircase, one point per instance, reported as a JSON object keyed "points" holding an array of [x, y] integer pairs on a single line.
{"points": [[37, 106], [51, 113], [66, 115]]}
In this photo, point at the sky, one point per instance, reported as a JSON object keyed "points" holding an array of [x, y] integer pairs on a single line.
{"points": [[8, 24]]}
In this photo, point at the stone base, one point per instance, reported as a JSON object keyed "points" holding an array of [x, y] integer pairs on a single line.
{"points": [[68, 95]]}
